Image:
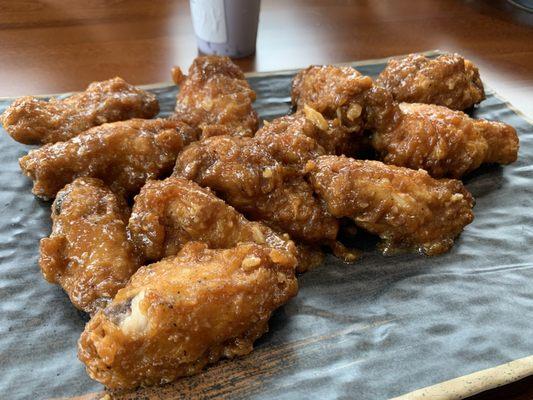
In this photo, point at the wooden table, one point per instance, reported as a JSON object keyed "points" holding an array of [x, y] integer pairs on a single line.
{"points": [[55, 46]]}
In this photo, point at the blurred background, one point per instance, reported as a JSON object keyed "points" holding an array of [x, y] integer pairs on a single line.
{"points": [[52, 46]]}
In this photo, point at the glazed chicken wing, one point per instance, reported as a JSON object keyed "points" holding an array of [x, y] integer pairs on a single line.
{"points": [[405, 208], [123, 154], [296, 138], [170, 213], [334, 92], [216, 98], [341, 103], [343, 96], [88, 253], [33, 121], [448, 80], [290, 140], [244, 173], [445, 143], [184, 312]]}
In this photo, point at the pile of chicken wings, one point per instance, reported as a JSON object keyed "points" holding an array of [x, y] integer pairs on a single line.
{"points": [[181, 236]]}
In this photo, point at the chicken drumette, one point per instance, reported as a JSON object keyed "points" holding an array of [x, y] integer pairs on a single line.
{"points": [[33, 121], [215, 98], [307, 134], [444, 142], [184, 312], [342, 103], [88, 253], [405, 208], [123, 154], [334, 92], [170, 213], [448, 80], [243, 172]]}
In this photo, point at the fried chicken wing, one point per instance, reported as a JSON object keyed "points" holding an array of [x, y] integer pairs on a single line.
{"points": [[32, 121], [243, 173], [344, 96], [405, 208], [444, 142], [343, 100], [187, 311], [296, 138], [448, 80], [123, 154], [290, 140], [170, 213], [216, 98], [334, 92], [88, 253]]}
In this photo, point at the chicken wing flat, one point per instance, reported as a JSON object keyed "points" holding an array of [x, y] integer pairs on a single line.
{"points": [[170, 213], [88, 253], [405, 208], [307, 134], [243, 173], [343, 96], [184, 312], [32, 121], [216, 98], [123, 154], [291, 140], [334, 92], [444, 142], [448, 80]]}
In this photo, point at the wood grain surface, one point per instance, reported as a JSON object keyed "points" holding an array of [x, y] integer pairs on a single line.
{"points": [[52, 46], [241, 377]]}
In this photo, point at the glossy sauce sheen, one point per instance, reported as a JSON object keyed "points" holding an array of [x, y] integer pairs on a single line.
{"points": [[216, 98], [244, 173], [406, 208], [190, 310], [88, 253], [170, 213], [332, 91], [33, 121], [123, 154], [448, 80], [444, 142]]}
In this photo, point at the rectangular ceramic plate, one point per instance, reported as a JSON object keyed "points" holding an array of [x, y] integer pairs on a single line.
{"points": [[375, 329]]}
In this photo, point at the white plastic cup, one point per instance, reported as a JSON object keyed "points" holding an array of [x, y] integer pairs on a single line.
{"points": [[226, 27]]}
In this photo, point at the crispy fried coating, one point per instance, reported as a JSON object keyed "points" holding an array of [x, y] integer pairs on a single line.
{"points": [[32, 121], [215, 98], [405, 208], [448, 80], [184, 312], [123, 154], [291, 139], [444, 142], [345, 97], [243, 173], [88, 253], [334, 92], [170, 213], [298, 137], [381, 111]]}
